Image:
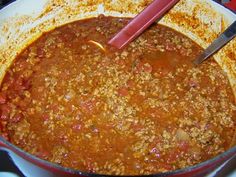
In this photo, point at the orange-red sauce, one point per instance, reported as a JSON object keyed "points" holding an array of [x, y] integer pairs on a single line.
{"points": [[141, 110]]}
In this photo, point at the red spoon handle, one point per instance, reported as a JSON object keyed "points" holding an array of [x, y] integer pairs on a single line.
{"points": [[142, 21]]}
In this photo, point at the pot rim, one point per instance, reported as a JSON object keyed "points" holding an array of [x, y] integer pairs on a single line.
{"points": [[10, 147], [6, 145]]}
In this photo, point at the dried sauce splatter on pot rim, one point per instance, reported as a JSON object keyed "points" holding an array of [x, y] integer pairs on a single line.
{"points": [[143, 110]]}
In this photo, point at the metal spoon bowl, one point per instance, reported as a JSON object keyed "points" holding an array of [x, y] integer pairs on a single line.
{"points": [[217, 44]]}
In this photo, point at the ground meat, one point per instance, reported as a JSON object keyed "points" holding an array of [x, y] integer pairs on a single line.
{"points": [[71, 99]]}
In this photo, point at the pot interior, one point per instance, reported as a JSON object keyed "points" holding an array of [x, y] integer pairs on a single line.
{"points": [[201, 21]]}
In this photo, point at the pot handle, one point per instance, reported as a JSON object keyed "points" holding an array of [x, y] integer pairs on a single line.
{"points": [[231, 5]]}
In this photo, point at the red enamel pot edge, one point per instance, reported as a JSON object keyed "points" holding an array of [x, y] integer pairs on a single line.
{"points": [[231, 5], [201, 169]]}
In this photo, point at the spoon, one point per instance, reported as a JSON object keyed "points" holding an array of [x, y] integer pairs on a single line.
{"points": [[217, 44], [155, 11], [141, 22]]}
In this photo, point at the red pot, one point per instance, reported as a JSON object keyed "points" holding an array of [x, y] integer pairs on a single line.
{"points": [[33, 166]]}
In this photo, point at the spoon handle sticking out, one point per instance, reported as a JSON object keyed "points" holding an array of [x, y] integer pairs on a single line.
{"points": [[217, 44], [142, 21]]}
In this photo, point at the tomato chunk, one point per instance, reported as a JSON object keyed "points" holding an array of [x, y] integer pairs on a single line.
{"points": [[123, 91], [17, 118], [2, 98], [5, 112], [88, 106]]}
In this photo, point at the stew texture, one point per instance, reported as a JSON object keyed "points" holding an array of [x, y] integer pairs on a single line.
{"points": [[71, 99]]}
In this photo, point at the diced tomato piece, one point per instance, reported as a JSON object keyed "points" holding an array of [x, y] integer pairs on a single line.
{"points": [[193, 83], [137, 98], [21, 84], [183, 51], [26, 84], [54, 107], [88, 105], [170, 47], [137, 127], [45, 116], [5, 112], [105, 63], [120, 62], [139, 68], [108, 126], [147, 67], [163, 72], [95, 130], [77, 127], [143, 67], [78, 115], [2, 98], [157, 113], [64, 138], [166, 166], [17, 118], [23, 64], [184, 146], [18, 84], [157, 140], [23, 104], [123, 91], [40, 52], [130, 84], [173, 156]]}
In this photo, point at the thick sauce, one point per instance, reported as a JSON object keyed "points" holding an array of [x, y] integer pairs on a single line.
{"points": [[142, 110]]}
